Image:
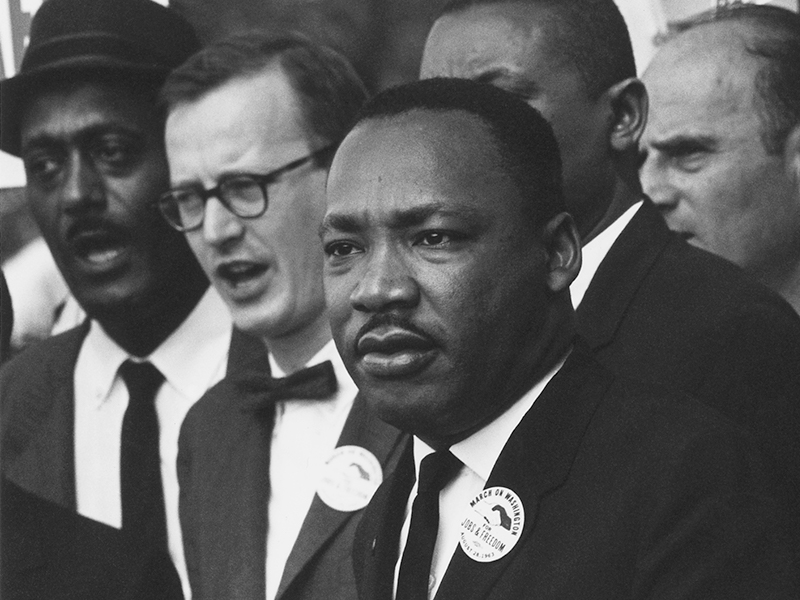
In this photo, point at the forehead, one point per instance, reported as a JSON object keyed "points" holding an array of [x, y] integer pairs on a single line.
{"points": [[264, 100], [236, 125], [703, 79], [65, 110], [422, 157], [523, 39]]}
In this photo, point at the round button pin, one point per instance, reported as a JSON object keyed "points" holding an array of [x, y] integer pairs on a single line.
{"points": [[492, 524], [349, 478]]}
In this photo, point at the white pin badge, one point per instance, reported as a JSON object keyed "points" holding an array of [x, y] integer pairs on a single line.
{"points": [[349, 478], [492, 524]]}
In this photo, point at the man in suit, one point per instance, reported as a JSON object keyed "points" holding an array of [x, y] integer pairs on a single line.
{"points": [[539, 474], [647, 303], [90, 419], [272, 483], [722, 142]]}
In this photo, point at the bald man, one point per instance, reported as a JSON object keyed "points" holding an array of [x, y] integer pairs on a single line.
{"points": [[722, 143]]}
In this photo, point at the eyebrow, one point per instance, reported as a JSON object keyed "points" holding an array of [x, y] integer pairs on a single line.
{"points": [[684, 141], [44, 139], [399, 219]]}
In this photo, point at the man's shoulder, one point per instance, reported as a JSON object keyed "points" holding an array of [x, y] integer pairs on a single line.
{"points": [[26, 380], [670, 303], [714, 279], [56, 351]]}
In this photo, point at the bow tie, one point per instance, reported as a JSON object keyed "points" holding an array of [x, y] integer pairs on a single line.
{"points": [[261, 391]]}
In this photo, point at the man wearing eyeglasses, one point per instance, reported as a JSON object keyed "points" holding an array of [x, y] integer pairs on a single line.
{"points": [[277, 460]]}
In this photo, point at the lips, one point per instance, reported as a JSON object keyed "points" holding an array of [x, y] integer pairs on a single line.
{"points": [[242, 279], [392, 351], [238, 272], [97, 244]]}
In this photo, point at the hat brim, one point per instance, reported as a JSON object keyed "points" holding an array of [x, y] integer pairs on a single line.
{"points": [[15, 91]]}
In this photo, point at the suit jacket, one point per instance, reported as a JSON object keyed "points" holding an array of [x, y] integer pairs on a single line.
{"points": [[223, 469], [49, 551], [628, 493], [661, 309]]}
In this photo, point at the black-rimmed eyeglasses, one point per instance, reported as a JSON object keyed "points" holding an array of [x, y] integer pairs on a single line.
{"points": [[244, 194]]}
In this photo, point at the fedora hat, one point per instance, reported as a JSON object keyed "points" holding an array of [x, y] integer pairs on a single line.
{"points": [[133, 37]]}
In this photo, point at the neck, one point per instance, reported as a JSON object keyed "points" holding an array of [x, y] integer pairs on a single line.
{"points": [[627, 191], [140, 329], [293, 351], [553, 340]]}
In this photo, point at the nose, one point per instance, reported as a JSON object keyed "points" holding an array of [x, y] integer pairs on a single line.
{"points": [[83, 186], [386, 283], [220, 226], [656, 183]]}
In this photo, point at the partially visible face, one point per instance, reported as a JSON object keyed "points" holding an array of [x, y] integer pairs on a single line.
{"points": [[95, 162], [706, 166], [436, 280], [267, 269], [511, 46]]}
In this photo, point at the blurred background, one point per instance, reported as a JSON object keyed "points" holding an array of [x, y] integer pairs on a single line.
{"points": [[382, 38]]}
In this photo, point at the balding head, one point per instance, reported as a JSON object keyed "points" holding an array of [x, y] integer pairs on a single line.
{"points": [[721, 137]]}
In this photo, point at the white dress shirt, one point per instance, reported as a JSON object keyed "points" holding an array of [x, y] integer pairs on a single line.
{"points": [[595, 252], [478, 453], [192, 359], [303, 438]]}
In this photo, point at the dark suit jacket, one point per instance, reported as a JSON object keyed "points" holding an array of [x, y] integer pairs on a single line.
{"points": [[48, 549], [628, 493], [223, 469], [660, 309]]}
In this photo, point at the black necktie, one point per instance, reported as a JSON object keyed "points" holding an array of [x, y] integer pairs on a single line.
{"points": [[262, 391], [143, 513], [435, 471]]}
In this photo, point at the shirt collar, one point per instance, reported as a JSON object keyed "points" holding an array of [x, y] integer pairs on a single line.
{"points": [[595, 252], [480, 451], [329, 352], [205, 334]]}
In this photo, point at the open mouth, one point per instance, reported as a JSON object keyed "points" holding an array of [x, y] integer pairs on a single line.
{"points": [[238, 273], [97, 245]]}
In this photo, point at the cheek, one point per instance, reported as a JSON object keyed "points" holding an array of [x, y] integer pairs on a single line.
{"points": [[44, 209], [201, 250]]}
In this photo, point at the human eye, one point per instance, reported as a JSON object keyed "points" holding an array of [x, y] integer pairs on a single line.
{"points": [[43, 166], [686, 155], [342, 249], [436, 239], [184, 196], [115, 151]]}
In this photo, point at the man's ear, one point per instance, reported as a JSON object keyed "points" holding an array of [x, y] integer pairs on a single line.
{"points": [[562, 244], [628, 102], [791, 157]]}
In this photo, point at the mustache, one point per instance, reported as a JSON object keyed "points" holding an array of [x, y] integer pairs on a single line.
{"points": [[92, 224], [390, 320]]}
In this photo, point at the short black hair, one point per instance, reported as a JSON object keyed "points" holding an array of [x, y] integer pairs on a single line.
{"points": [[592, 33], [774, 38], [329, 90], [524, 140]]}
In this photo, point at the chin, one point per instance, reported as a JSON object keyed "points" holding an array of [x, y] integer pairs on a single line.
{"points": [[402, 404]]}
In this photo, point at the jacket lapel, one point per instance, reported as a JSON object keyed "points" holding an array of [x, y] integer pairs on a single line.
{"points": [[620, 275], [45, 465], [375, 549], [362, 428], [242, 482], [546, 443]]}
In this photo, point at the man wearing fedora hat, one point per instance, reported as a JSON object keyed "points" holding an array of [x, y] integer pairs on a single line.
{"points": [[90, 419]]}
